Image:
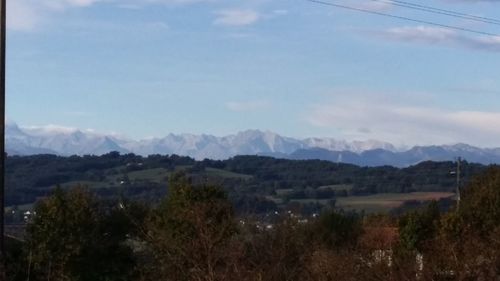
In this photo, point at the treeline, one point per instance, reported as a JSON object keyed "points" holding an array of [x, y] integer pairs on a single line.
{"points": [[193, 234], [32, 177]]}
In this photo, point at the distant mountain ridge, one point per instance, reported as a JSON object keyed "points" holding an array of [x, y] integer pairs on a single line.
{"points": [[64, 141]]}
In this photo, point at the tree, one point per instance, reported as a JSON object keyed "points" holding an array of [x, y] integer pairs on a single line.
{"points": [[480, 205], [419, 227], [71, 238], [469, 240], [189, 234], [15, 260], [280, 251], [337, 229]]}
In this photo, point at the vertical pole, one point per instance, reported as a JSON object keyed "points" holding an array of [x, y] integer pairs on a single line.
{"points": [[458, 182], [3, 30]]}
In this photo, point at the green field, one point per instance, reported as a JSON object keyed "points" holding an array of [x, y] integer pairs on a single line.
{"points": [[24, 207], [383, 202], [283, 192], [225, 174], [337, 187], [87, 184], [157, 175]]}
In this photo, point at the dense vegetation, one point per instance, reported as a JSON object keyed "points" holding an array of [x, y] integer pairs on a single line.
{"points": [[254, 184], [193, 234]]}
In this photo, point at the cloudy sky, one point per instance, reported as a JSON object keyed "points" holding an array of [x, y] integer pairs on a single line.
{"points": [[150, 67]]}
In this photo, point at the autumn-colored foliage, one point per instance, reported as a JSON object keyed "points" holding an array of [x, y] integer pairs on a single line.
{"points": [[195, 235]]}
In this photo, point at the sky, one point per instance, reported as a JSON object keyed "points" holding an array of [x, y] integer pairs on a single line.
{"points": [[146, 68]]}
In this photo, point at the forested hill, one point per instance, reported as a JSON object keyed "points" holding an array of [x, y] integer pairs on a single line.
{"points": [[249, 180]]}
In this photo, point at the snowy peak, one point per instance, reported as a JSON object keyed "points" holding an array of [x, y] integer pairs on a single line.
{"points": [[72, 141], [255, 142], [56, 140], [355, 146], [68, 141], [12, 130]]}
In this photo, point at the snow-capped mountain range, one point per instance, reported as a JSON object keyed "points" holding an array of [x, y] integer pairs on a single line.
{"points": [[65, 141]]}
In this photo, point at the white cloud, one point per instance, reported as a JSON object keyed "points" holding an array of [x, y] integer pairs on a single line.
{"points": [[236, 17], [247, 106], [61, 5], [26, 15], [440, 36], [408, 124], [21, 15], [82, 2], [50, 129], [422, 34], [66, 3], [375, 6]]}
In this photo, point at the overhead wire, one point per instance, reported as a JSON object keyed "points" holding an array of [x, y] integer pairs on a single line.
{"points": [[446, 12], [452, 27]]}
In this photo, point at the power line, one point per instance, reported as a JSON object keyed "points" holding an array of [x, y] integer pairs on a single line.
{"points": [[441, 11], [403, 18]]}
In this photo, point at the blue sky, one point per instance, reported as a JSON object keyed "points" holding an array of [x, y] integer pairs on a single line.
{"points": [[150, 67]]}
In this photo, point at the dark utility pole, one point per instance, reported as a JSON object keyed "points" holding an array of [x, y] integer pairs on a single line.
{"points": [[3, 30], [458, 181]]}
